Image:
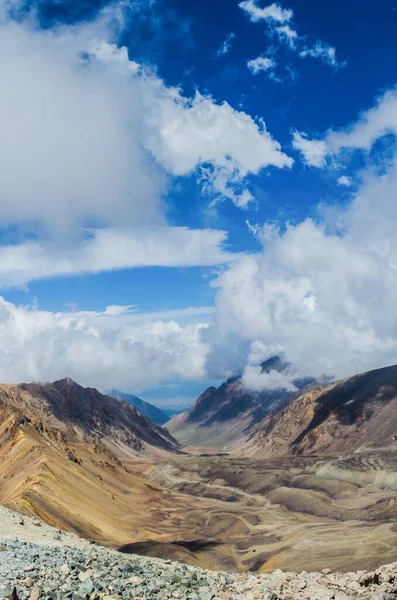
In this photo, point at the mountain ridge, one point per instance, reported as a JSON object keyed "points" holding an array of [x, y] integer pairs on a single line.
{"points": [[342, 416], [67, 455], [146, 409], [224, 416]]}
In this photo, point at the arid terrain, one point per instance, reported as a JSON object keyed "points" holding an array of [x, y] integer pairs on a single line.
{"points": [[313, 486], [297, 514]]}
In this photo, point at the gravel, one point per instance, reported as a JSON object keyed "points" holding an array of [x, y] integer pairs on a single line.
{"points": [[63, 566]]}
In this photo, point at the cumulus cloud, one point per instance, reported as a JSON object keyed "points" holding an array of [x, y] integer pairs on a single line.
{"points": [[345, 181], [321, 292], [325, 297], [313, 151], [274, 12], [102, 349], [254, 379], [70, 147], [261, 63], [90, 141], [373, 124], [183, 134]]}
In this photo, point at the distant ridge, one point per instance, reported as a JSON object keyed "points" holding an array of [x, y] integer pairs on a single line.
{"points": [[225, 417], [343, 416], [144, 408], [172, 412]]}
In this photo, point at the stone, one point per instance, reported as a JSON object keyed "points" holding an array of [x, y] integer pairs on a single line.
{"points": [[65, 569], [83, 575], [86, 587], [134, 580]]}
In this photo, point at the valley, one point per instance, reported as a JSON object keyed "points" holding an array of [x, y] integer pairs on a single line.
{"points": [[311, 485], [295, 514]]}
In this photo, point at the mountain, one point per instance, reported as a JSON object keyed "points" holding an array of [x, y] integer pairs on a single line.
{"points": [[317, 471], [224, 417], [354, 414], [72, 456], [172, 412], [145, 408]]}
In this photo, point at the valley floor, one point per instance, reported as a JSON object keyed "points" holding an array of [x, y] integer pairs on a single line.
{"points": [[63, 566], [297, 513]]}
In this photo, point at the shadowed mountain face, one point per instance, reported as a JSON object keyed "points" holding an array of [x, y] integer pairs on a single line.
{"points": [[144, 408], [345, 416], [225, 416], [96, 414]]}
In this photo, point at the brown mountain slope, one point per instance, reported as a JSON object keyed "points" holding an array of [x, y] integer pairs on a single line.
{"points": [[64, 456], [343, 417], [224, 417], [87, 411]]}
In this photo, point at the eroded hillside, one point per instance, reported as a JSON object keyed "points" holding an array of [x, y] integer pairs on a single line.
{"points": [[356, 413]]}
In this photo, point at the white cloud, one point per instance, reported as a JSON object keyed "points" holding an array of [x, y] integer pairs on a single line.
{"points": [[372, 125], [70, 147], [324, 298], [228, 185], [322, 293], [286, 34], [313, 151], [90, 140], [111, 249], [183, 134], [254, 379], [273, 12], [278, 20], [261, 63], [323, 52], [345, 181], [107, 349], [226, 45]]}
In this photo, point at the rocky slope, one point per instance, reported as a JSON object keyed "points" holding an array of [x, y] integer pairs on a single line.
{"points": [[69, 568], [354, 414], [67, 455], [144, 408], [225, 416]]}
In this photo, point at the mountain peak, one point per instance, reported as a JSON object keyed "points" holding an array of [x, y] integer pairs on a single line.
{"points": [[79, 409], [66, 381]]}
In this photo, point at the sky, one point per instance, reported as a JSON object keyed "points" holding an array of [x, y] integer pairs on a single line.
{"points": [[188, 188]]}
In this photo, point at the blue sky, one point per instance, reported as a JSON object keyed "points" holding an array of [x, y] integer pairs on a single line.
{"points": [[248, 147]]}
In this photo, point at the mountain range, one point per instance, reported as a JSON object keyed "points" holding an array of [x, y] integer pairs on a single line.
{"points": [[224, 417], [144, 408], [241, 480], [350, 415]]}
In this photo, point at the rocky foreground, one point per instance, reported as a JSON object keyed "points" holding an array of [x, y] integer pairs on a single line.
{"points": [[63, 566]]}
